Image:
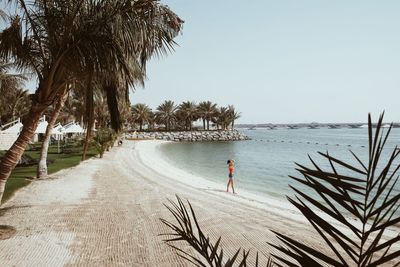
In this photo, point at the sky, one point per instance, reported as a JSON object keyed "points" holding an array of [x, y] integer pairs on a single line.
{"points": [[286, 61]]}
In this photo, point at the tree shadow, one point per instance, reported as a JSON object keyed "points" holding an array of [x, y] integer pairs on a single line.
{"points": [[7, 231]]}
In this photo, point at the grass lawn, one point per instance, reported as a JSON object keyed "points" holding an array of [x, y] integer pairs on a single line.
{"points": [[22, 176]]}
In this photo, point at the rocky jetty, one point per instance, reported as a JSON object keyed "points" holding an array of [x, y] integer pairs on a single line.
{"points": [[191, 136]]}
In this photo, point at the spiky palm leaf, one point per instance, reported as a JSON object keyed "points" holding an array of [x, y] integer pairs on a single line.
{"points": [[188, 229], [356, 207]]}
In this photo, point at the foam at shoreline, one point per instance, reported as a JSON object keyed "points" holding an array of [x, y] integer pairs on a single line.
{"points": [[149, 153]]}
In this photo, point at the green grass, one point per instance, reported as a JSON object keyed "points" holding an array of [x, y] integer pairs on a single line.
{"points": [[22, 176]]}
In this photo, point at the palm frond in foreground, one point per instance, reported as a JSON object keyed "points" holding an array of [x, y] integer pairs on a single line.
{"points": [[187, 229], [356, 213]]}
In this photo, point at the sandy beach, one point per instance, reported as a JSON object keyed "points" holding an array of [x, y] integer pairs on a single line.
{"points": [[105, 212]]}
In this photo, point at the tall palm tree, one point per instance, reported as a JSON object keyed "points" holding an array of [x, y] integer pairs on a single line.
{"points": [[152, 120], [65, 40], [187, 111], [233, 115], [42, 165], [101, 111], [141, 114], [125, 112], [207, 111], [222, 118], [165, 113]]}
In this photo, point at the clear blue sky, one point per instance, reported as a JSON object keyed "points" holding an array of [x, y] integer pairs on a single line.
{"points": [[284, 61]]}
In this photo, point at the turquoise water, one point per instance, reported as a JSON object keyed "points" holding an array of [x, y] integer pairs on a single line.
{"points": [[264, 163]]}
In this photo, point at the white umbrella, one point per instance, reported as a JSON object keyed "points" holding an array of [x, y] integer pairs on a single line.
{"points": [[58, 129], [73, 128], [16, 128], [41, 129]]}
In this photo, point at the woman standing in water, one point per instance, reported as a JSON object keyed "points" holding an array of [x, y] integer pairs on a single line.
{"points": [[231, 170]]}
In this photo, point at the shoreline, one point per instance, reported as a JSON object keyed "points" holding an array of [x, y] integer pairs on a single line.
{"points": [[149, 154]]}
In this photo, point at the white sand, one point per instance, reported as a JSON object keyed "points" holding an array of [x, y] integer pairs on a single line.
{"points": [[105, 212]]}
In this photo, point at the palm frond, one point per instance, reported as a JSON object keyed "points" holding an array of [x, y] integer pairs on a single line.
{"points": [[353, 212], [187, 229]]}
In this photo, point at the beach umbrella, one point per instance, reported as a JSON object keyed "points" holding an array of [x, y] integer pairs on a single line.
{"points": [[58, 130], [41, 129], [73, 128], [16, 128]]}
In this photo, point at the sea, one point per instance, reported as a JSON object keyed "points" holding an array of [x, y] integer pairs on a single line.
{"points": [[265, 163]]}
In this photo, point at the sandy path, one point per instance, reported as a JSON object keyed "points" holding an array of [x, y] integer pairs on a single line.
{"points": [[106, 213]]}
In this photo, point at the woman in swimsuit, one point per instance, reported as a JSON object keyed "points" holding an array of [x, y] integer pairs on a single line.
{"points": [[231, 170]]}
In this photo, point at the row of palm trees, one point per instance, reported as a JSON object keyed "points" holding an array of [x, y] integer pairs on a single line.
{"points": [[86, 47], [182, 116]]}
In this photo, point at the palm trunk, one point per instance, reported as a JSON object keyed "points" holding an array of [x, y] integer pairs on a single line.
{"points": [[89, 106], [208, 125], [204, 124], [14, 154], [42, 166], [88, 138]]}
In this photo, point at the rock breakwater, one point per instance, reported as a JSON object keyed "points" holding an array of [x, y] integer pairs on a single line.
{"points": [[191, 136]]}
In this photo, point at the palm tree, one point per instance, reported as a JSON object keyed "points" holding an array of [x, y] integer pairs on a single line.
{"points": [[125, 112], [222, 118], [207, 111], [20, 103], [71, 110], [63, 40], [152, 120], [14, 101], [101, 113], [42, 165], [141, 114], [233, 115], [13, 104], [187, 112], [165, 114]]}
